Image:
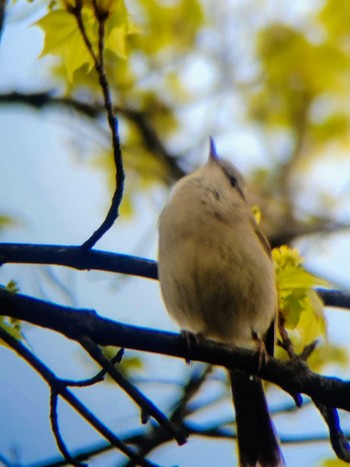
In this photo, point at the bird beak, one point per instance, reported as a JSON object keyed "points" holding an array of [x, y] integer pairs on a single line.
{"points": [[213, 155]]}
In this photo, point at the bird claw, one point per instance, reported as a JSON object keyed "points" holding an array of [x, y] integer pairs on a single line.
{"points": [[262, 352], [189, 339]]}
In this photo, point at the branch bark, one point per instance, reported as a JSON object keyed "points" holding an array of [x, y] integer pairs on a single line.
{"points": [[75, 257], [292, 376], [59, 388]]}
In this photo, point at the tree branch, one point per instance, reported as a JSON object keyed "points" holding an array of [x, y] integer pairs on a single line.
{"points": [[292, 376], [338, 439], [147, 407], [98, 59], [74, 257], [56, 430], [57, 386], [40, 100]]}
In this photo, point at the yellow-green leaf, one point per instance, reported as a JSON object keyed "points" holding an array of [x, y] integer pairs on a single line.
{"points": [[299, 303], [63, 38]]}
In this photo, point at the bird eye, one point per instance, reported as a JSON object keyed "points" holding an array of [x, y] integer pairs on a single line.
{"points": [[233, 181]]}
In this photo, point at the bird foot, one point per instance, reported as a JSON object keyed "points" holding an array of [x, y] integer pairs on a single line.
{"points": [[262, 352], [190, 339]]}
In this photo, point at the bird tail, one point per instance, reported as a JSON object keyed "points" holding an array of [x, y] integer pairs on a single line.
{"points": [[257, 441]]}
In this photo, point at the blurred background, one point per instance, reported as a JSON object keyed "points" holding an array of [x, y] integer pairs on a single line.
{"points": [[270, 81]]}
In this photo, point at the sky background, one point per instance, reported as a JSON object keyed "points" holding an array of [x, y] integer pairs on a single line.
{"points": [[57, 197]]}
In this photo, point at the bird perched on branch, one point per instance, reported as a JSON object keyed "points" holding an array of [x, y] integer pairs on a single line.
{"points": [[217, 281]]}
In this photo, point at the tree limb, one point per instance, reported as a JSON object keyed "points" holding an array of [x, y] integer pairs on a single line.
{"points": [[74, 257], [292, 376], [147, 407], [112, 120], [338, 439], [57, 386], [56, 430]]}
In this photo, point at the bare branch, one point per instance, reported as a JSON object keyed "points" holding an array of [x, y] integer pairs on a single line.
{"points": [[338, 439], [97, 378], [336, 298], [60, 389], [47, 99], [292, 376], [190, 389], [74, 257], [98, 59], [147, 407], [56, 430]]}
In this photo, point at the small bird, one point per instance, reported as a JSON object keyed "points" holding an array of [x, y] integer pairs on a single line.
{"points": [[217, 281]]}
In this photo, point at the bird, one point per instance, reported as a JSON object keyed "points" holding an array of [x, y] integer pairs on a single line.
{"points": [[218, 282]]}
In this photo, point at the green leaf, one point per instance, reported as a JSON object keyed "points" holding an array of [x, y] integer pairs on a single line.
{"points": [[64, 38], [299, 303]]}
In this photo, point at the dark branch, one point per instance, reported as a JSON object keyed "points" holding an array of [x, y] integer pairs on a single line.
{"points": [[335, 298], [98, 59], [97, 378], [293, 376], [147, 407], [338, 439], [153, 143], [190, 389], [151, 440], [74, 257], [47, 99], [56, 430], [60, 389]]}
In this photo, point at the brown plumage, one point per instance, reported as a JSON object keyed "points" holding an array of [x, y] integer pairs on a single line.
{"points": [[217, 280]]}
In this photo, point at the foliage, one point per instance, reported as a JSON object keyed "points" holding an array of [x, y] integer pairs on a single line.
{"points": [[61, 30], [300, 305], [150, 45]]}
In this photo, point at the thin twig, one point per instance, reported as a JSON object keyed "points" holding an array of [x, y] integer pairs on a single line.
{"points": [[147, 407], [56, 384], [74, 257], [292, 376], [155, 438], [56, 430], [98, 378], [212, 431], [338, 439], [190, 389], [113, 211]]}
